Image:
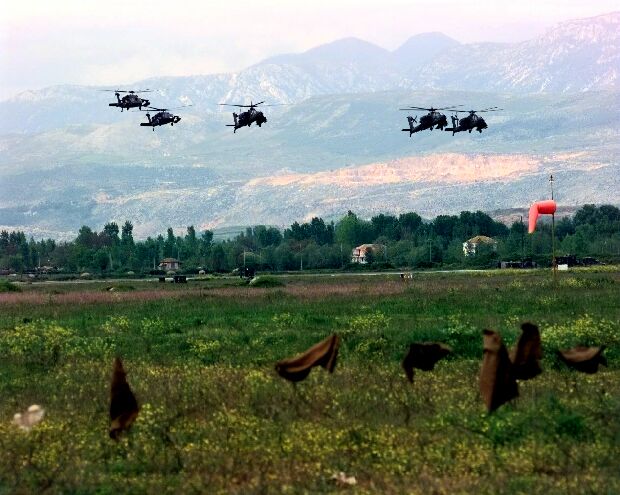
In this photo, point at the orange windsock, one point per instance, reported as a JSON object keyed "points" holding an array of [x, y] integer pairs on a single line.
{"points": [[547, 207]]}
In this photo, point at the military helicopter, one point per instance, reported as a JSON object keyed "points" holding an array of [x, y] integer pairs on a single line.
{"points": [[130, 100], [162, 117], [471, 122], [433, 119], [248, 117]]}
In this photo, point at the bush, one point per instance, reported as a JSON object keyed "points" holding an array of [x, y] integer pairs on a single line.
{"points": [[36, 342], [584, 330], [6, 286]]}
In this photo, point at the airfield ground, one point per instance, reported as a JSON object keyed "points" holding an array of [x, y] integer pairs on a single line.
{"points": [[216, 418]]}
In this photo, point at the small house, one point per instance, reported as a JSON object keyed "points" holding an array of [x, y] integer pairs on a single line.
{"points": [[169, 264], [470, 246], [359, 254]]}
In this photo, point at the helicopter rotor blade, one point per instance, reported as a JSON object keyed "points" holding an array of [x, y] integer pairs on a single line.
{"points": [[448, 108], [132, 91], [252, 105], [492, 109], [431, 108], [233, 105], [182, 106], [148, 109]]}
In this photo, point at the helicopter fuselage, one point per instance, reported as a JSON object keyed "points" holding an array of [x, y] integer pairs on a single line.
{"points": [[432, 120], [247, 118], [130, 101], [469, 123], [161, 118]]}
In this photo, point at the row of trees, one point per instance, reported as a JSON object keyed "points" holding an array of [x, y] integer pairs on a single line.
{"points": [[409, 241]]}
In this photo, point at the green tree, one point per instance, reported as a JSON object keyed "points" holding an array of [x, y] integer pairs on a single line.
{"points": [[170, 244], [127, 234], [218, 258]]}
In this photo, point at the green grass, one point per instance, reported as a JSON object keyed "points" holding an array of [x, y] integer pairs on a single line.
{"points": [[6, 286], [216, 418]]}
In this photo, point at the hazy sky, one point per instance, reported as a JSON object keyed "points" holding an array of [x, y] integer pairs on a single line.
{"points": [[45, 42]]}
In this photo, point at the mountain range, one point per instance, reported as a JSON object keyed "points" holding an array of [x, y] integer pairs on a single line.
{"points": [[66, 158]]}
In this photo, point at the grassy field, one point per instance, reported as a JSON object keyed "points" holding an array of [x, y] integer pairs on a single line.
{"points": [[215, 417]]}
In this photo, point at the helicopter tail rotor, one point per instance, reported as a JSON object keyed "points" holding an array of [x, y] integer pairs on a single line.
{"points": [[411, 121]]}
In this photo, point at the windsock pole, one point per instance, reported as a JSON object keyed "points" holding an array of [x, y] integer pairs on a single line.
{"points": [[553, 260]]}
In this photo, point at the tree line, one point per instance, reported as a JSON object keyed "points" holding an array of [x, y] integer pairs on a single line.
{"points": [[407, 240]]}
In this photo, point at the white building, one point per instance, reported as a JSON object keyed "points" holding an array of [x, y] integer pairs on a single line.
{"points": [[358, 255], [169, 264], [469, 247]]}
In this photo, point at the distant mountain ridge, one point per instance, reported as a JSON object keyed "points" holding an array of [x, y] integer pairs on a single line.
{"points": [[574, 56], [67, 159]]}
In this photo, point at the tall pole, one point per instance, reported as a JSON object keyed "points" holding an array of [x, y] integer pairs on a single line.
{"points": [[553, 261], [522, 240]]}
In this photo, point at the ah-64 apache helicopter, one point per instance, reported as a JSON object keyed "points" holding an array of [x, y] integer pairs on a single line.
{"points": [[130, 100], [433, 119], [162, 117], [248, 117], [471, 122]]}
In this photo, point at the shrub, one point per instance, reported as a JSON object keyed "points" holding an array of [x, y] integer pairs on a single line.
{"points": [[6, 286], [585, 330], [36, 342]]}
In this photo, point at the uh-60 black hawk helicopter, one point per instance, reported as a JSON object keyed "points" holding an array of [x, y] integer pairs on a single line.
{"points": [[471, 122], [162, 117], [130, 100], [432, 120], [248, 117]]}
